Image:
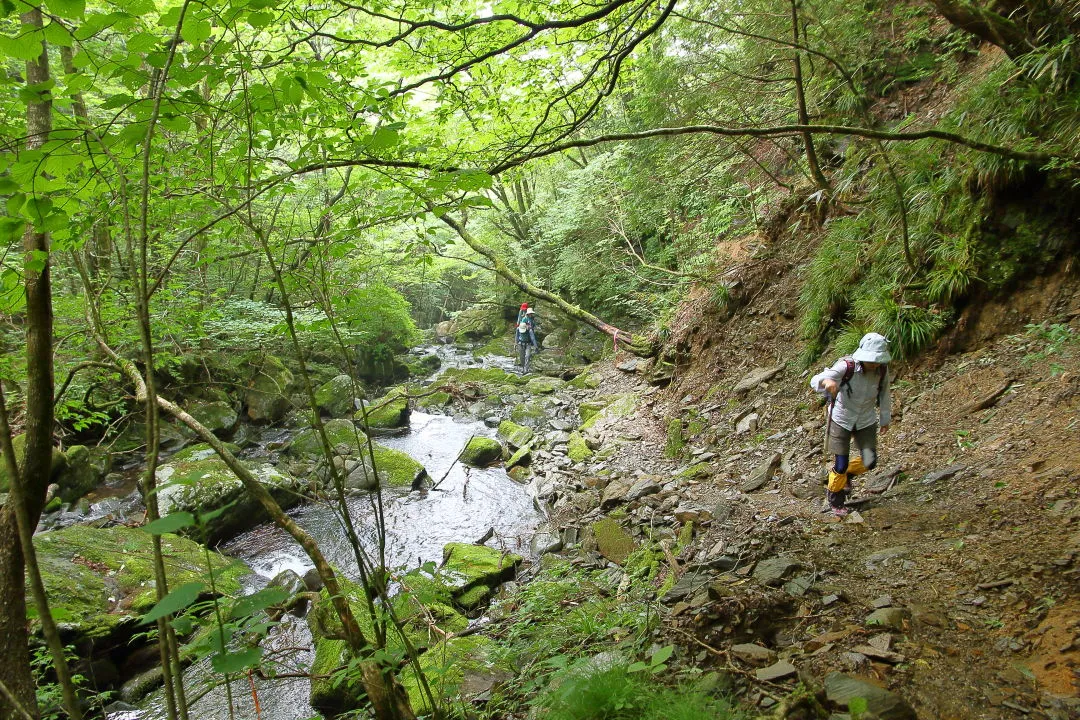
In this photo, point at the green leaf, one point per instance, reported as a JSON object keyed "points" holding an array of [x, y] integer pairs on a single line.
{"points": [[235, 662], [68, 8], [253, 603], [195, 32], [383, 139], [26, 46], [637, 667], [662, 654], [170, 523], [209, 517], [57, 34], [37, 261], [175, 601]]}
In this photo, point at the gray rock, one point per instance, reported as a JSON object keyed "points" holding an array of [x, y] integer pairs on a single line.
{"points": [[774, 570], [559, 424], [762, 473], [313, 581], [755, 377], [778, 671], [753, 653], [747, 424], [884, 556], [289, 581], [629, 366], [692, 513], [945, 474], [842, 689], [688, 585]]}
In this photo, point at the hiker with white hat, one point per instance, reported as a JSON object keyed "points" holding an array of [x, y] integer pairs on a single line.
{"points": [[857, 388]]}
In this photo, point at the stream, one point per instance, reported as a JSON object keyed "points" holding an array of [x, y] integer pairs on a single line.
{"points": [[466, 504]]}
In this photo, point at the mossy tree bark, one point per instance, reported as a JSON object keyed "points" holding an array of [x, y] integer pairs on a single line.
{"points": [[28, 486], [635, 344]]}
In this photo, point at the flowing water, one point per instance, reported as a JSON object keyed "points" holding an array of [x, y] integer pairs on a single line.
{"points": [[467, 502]]}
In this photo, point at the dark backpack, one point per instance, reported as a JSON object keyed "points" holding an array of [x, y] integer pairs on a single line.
{"points": [[849, 372]]}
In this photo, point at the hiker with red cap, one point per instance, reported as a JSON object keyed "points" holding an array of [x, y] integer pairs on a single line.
{"points": [[525, 337], [857, 389]]}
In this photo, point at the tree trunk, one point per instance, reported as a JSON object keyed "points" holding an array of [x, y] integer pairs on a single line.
{"points": [[986, 25], [635, 344], [37, 458], [800, 99]]}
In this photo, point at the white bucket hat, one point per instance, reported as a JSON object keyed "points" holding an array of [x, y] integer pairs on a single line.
{"points": [[873, 348]]}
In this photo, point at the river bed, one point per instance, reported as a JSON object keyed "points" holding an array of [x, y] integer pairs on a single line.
{"points": [[467, 502]]}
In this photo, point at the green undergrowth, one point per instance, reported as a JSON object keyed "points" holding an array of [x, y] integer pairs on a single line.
{"points": [[619, 693], [579, 644], [976, 223]]}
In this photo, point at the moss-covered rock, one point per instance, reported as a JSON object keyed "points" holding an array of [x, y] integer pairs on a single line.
{"points": [[465, 566], [437, 399], [398, 469], [389, 411], [336, 397], [478, 323], [268, 391], [340, 432], [481, 451], [493, 377], [612, 541], [585, 380], [59, 462], [676, 442], [532, 413], [514, 435], [459, 666], [519, 474], [99, 579], [197, 481], [588, 409], [543, 385], [619, 407], [218, 417], [78, 475], [332, 696], [422, 366], [576, 448], [523, 456]]}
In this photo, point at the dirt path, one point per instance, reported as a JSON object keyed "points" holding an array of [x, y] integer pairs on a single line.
{"points": [[957, 587]]}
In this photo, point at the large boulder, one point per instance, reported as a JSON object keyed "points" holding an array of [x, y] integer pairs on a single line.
{"points": [[196, 480], [268, 391], [218, 417], [59, 462], [78, 473], [341, 433], [481, 451], [463, 666], [389, 411], [395, 469], [100, 580], [336, 397], [478, 323]]}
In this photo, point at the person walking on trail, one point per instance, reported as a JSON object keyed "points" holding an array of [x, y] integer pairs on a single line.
{"points": [[857, 389], [525, 336], [521, 311]]}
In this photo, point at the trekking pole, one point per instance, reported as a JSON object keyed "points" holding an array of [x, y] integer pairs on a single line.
{"points": [[828, 425]]}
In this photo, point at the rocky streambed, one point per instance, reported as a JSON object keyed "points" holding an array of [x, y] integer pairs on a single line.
{"points": [[443, 450]]}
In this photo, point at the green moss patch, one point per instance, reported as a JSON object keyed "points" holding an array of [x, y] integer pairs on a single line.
{"points": [[619, 407], [481, 451], [612, 541], [396, 468], [514, 435], [338, 432], [100, 578], [543, 385], [454, 667], [576, 448], [389, 411]]}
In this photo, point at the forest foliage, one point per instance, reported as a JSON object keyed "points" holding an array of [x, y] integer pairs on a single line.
{"points": [[207, 183]]}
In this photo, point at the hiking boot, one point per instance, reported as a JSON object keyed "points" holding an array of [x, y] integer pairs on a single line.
{"points": [[841, 511]]}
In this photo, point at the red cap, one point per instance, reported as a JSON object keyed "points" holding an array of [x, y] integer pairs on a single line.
{"points": [[524, 305]]}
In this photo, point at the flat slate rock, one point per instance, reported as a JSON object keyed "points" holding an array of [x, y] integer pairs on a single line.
{"points": [[945, 474], [777, 671], [762, 473], [774, 570], [753, 653], [841, 689], [755, 377]]}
